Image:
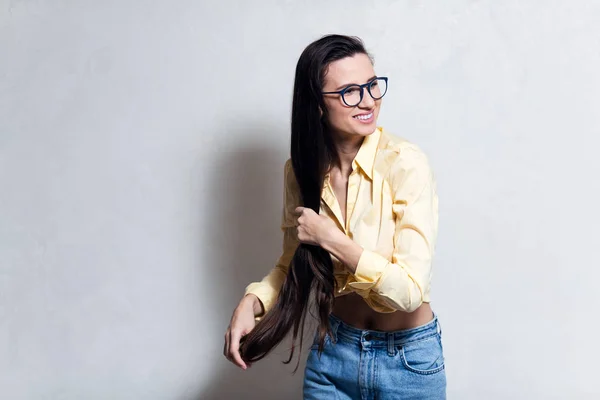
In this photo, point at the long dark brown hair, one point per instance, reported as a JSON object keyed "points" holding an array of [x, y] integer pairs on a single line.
{"points": [[312, 153]]}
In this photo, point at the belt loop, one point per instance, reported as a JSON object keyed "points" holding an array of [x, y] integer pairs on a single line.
{"points": [[391, 347]]}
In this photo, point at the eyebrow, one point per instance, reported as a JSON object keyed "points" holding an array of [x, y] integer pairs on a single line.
{"points": [[348, 84]]}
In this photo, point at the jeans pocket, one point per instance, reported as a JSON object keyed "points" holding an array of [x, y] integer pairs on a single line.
{"points": [[424, 356]]}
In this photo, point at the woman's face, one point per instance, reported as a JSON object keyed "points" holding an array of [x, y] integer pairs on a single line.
{"points": [[358, 120]]}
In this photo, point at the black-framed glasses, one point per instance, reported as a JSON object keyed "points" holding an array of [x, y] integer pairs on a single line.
{"points": [[352, 95]]}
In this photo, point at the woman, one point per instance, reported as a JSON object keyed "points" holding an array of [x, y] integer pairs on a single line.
{"points": [[360, 221]]}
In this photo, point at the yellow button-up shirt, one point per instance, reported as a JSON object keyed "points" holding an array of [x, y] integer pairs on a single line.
{"points": [[391, 211]]}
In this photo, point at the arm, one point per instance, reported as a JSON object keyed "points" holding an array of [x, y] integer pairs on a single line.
{"points": [[268, 288], [402, 283]]}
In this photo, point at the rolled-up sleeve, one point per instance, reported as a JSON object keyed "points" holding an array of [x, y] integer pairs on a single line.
{"points": [[403, 283], [268, 288]]}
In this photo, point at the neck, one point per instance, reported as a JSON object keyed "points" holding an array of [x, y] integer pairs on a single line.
{"points": [[347, 148]]}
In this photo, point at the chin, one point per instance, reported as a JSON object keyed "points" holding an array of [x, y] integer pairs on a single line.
{"points": [[365, 129], [356, 128]]}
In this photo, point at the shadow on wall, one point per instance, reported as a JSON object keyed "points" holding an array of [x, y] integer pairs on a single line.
{"points": [[244, 243]]}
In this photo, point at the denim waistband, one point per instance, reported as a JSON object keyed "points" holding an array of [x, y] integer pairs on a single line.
{"points": [[374, 338]]}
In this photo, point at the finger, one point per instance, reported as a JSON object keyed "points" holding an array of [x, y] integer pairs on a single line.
{"points": [[234, 349], [226, 346], [300, 235], [299, 210]]}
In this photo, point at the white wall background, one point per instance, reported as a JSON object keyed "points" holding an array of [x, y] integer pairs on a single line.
{"points": [[141, 154]]}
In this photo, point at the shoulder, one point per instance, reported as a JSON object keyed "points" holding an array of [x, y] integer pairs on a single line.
{"points": [[288, 166], [398, 155], [288, 170], [289, 176]]}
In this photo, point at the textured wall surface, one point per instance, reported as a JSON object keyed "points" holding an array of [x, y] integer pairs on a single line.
{"points": [[141, 154]]}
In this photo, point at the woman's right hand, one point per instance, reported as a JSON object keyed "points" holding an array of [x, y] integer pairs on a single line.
{"points": [[242, 322]]}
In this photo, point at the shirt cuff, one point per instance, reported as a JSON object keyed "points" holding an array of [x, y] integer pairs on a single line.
{"points": [[369, 270], [265, 294]]}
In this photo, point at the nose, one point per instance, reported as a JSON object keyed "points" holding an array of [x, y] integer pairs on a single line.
{"points": [[367, 101]]}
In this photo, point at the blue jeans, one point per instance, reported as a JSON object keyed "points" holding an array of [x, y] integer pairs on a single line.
{"points": [[375, 365]]}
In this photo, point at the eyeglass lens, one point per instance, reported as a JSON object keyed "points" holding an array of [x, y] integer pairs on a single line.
{"points": [[377, 89]]}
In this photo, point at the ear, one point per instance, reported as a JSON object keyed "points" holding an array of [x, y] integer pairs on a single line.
{"points": [[320, 112]]}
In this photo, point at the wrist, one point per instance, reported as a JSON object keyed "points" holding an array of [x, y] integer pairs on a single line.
{"points": [[251, 300], [330, 241], [344, 249]]}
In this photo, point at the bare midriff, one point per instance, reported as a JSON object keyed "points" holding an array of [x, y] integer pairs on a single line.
{"points": [[352, 309]]}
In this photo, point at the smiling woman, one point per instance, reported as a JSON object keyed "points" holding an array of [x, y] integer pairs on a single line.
{"points": [[360, 219], [348, 97]]}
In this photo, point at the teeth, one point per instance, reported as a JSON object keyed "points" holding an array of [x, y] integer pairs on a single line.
{"points": [[364, 117]]}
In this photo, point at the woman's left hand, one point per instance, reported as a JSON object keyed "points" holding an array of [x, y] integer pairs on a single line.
{"points": [[313, 228]]}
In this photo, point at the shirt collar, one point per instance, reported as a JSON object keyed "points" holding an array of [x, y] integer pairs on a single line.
{"points": [[365, 158]]}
